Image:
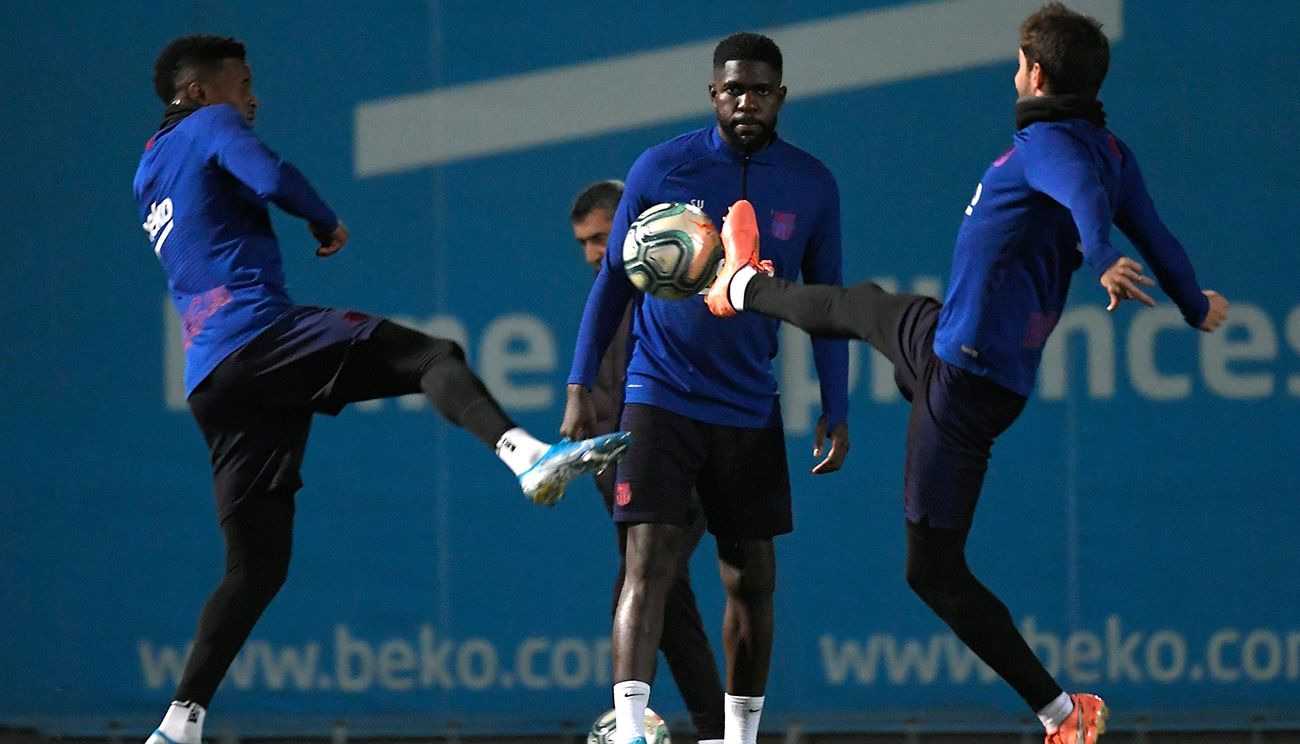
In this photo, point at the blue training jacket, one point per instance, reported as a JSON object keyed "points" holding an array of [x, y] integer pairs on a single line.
{"points": [[202, 187], [684, 359], [1042, 209]]}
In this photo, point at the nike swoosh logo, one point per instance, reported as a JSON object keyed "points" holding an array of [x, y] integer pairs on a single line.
{"points": [[633, 694], [755, 710]]}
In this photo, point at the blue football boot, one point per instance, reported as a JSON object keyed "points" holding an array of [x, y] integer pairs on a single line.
{"points": [[544, 482]]}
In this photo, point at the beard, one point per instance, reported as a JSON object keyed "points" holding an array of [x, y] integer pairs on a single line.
{"points": [[755, 137]]}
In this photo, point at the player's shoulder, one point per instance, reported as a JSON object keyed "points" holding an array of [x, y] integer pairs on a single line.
{"points": [[684, 147], [214, 120], [1055, 138], [803, 162], [661, 159]]}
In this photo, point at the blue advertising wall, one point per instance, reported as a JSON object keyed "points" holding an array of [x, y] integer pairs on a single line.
{"points": [[1139, 519]]}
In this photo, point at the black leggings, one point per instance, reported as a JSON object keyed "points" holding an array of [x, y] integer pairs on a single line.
{"points": [[397, 360], [937, 572], [901, 327], [259, 539]]}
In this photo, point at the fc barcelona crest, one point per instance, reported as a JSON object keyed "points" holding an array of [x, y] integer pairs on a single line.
{"points": [[782, 225]]}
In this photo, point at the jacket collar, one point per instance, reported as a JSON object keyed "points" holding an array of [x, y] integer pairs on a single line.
{"points": [[720, 147]]}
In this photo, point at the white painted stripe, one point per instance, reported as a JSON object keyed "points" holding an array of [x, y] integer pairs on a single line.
{"points": [[566, 103]]}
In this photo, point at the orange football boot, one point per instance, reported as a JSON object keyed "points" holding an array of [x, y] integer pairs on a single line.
{"points": [[740, 249], [1086, 723]]}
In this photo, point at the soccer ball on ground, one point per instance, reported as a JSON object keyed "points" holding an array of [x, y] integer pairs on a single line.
{"points": [[672, 251], [603, 730]]}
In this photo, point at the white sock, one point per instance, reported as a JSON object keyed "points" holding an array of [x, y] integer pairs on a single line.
{"points": [[1054, 713], [736, 290], [630, 701], [519, 450], [183, 723], [741, 716], [711, 741]]}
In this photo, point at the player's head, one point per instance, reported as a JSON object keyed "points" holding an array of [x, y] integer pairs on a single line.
{"points": [[592, 217], [1062, 52], [203, 70], [746, 89]]}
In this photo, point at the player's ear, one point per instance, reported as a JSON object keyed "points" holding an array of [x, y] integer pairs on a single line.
{"points": [[1037, 79], [713, 92], [194, 92]]}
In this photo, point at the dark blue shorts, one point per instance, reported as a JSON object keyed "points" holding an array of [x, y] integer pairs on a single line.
{"points": [[955, 417], [740, 475], [255, 408]]}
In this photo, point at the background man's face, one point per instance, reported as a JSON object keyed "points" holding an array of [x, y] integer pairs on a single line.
{"points": [[592, 233]]}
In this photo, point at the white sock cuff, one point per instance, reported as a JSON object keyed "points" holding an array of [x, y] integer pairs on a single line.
{"points": [[519, 450], [754, 701], [1054, 713], [635, 687], [183, 722], [739, 281]]}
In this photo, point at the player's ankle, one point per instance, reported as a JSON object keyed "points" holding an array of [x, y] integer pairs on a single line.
{"points": [[519, 450], [736, 288], [183, 722], [742, 714], [1054, 713], [630, 701]]}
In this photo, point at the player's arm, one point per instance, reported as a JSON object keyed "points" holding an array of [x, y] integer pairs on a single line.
{"points": [[1136, 217], [1057, 165], [823, 264], [603, 313], [237, 150]]}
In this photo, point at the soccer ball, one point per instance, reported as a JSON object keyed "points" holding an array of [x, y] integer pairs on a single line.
{"points": [[603, 730], [672, 251]]}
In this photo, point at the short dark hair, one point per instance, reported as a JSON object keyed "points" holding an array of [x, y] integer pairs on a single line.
{"points": [[1069, 46], [204, 53], [599, 195], [749, 47]]}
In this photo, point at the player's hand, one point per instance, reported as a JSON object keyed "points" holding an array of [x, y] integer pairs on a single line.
{"points": [[1217, 313], [579, 414], [330, 241], [1122, 280], [839, 447]]}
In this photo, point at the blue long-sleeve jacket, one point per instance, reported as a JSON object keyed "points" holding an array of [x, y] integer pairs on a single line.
{"points": [[683, 358], [1043, 209], [202, 187]]}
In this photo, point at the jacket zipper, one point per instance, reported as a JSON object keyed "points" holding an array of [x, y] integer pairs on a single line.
{"points": [[744, 179]]}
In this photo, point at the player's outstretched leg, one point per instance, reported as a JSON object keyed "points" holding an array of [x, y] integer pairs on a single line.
{"points": [[745, 283], [396, 360]]}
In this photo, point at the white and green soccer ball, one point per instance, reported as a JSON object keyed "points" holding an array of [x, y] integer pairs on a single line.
{"points": [[603, 730], [672, 251]]}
